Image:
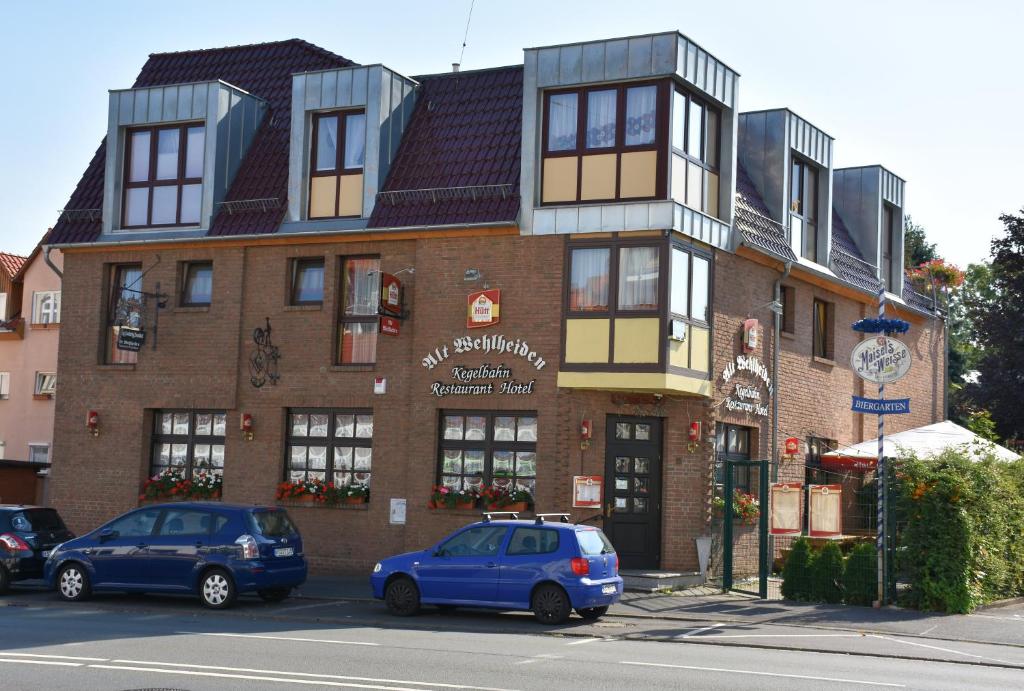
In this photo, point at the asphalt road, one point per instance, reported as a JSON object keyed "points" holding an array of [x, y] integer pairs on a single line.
{"points": [[119, 642]]}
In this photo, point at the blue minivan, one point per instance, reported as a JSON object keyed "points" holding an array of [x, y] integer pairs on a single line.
{"points": [[212, 549], [547, 568]]}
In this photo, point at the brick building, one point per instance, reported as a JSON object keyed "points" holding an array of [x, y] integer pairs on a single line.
{"points": [[628, 218]]}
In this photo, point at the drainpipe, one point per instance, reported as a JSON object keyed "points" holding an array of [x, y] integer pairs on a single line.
{"points": [[777, 312], [49, 262]]}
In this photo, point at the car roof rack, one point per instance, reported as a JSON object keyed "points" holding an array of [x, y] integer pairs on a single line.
{"points": [[488, 514], [562, 517]]}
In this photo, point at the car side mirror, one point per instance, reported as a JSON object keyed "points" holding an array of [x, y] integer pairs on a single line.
{"points": [[107, 534]]}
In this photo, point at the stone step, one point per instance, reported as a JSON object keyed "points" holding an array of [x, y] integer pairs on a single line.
{"points": [[648, 581]]}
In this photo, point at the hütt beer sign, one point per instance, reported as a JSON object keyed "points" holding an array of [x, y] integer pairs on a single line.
{"points": [[881, 359], [483, 308]]}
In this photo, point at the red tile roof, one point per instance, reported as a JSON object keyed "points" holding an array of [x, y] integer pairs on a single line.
{"points": [[465, 133], [11, 263], [264, 70]]}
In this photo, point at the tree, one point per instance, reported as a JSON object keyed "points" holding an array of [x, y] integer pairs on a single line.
{"points": [[916, 248], [975, 297], [999, 324]]}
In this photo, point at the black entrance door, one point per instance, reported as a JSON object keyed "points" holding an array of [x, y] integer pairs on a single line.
{"points": [[633, 490]]}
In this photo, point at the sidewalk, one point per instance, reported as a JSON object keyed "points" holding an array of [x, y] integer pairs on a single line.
{"points": [[1004, 626]]}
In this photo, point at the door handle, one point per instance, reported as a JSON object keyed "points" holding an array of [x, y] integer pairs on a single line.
{"points": [[609, 509]]}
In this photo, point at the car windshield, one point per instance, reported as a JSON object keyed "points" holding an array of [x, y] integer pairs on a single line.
{"points": [[37, 519], [273, 523], [593, 542]]}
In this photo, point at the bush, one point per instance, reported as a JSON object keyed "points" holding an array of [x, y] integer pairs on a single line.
{"points": [[796, 573], [860, 578], [827, 574], [961, 546]]}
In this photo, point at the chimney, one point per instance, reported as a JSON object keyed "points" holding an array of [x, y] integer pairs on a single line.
{"points": [[455, 67]]}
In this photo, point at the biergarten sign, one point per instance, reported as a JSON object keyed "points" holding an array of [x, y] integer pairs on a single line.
{"points": [[746, 397], [485, 379], [880, 359], [875, 406]]}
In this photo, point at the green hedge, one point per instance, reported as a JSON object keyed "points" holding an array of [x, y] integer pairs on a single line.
{"points": [[962, 543], [823, 575]]}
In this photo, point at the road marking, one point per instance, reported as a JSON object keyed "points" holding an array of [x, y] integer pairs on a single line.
{"points": [[945, 650], [317, 680], [538, 658], [928, 630], [584, 641], [784, 635], [762, 674], [295, 608], [52, 663], [696, 631], [57, 657], [312, 675], [276, 638]]}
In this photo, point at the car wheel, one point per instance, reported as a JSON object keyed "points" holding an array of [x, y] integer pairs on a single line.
{"points": [[5, 580], [402, 597], [217, 590], [73, 583], [592, 613], [274, 594], [550, 604]]}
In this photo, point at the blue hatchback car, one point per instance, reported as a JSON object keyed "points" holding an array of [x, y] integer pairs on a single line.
{"points": [[548, 568], [212, 549]]}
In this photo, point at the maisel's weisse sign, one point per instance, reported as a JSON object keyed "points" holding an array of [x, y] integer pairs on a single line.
{"points": [[130, 339], [487, 378], [881, 359], [875, 406]]}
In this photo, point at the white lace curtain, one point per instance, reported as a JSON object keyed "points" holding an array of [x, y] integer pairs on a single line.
{"points": [[589, 291], [601, 119], [562, 112], [638, 278]]}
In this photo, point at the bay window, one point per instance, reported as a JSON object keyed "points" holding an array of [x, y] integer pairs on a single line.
{"points": [[638, 278], [604, 143], [336, 165], [480, 449], [633, 269], [164, 176], [588, 287], [358, 319], [695, 153]]}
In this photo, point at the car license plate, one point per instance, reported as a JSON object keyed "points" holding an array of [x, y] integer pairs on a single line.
{"points": [[284, 552], [608, 590], [46, 554]]}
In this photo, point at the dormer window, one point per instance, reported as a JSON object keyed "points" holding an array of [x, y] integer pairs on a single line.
{"points": [[696, 143], [603, 143], [336, 175], [164, 176], [803, 210], [888, 243]]}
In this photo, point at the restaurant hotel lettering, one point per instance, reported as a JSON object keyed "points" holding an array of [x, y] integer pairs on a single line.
{"points": [[507, 277]]}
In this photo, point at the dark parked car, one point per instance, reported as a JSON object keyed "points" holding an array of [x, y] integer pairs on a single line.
{"points": [[27, 534], [548, 568], [212, 549]]}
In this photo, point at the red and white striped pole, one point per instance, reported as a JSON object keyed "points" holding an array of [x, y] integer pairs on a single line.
{"points": [[880, 472]]}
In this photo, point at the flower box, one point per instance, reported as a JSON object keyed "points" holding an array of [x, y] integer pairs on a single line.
{"points": [[344, 506], [515, 507]]}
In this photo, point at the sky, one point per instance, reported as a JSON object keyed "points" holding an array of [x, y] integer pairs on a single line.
{"points": [[931, 89]]}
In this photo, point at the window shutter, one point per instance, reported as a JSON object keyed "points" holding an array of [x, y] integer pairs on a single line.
{"points": [[5, 384]]}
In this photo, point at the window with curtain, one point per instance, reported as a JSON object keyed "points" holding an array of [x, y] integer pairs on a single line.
{"points": [[338, 150], [822, 333], [307, 286], [46, 307], [588, 282], [638, 278], [563, 112], [164, 175], [329, 445], [197, 284], [124, 310], [601, 106], [641, 115], [479, 449], [358, 320], [191, 441]]}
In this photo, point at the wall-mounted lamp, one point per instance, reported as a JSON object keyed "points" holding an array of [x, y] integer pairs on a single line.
{"points": [[245, 424], [92, 423], [472, 275]]}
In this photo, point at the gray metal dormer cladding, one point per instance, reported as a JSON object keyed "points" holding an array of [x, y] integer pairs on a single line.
{"points": [[624, 63], [227, 119], [871, 202], [789, 161], [386, 99]]}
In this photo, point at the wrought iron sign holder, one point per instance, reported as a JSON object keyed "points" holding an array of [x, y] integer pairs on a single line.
{"points": [[264, 358]]}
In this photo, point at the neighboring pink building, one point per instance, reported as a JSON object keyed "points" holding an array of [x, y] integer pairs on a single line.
{"points": [[29, 333]]}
